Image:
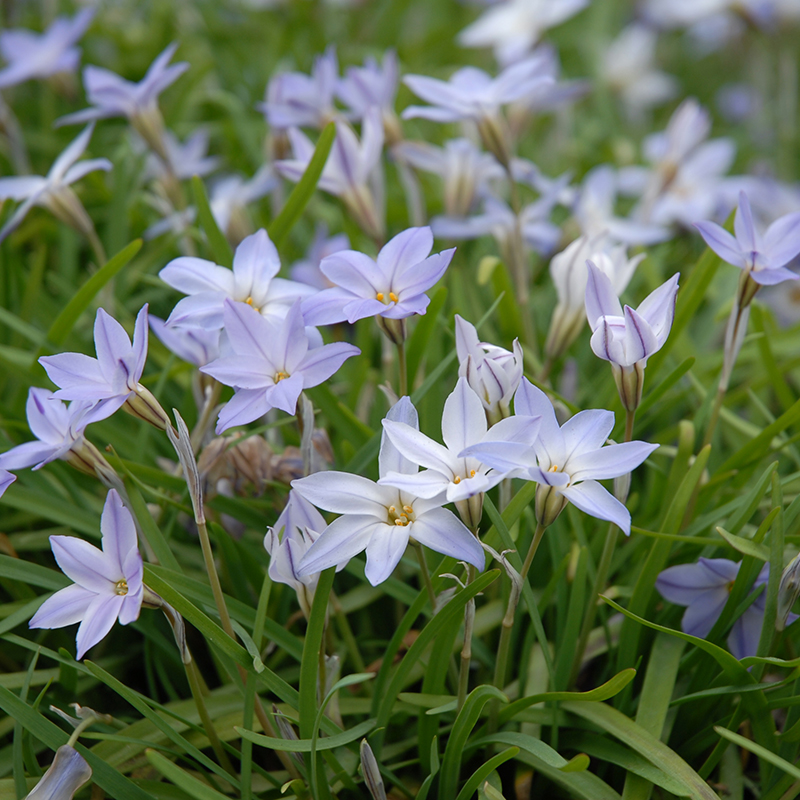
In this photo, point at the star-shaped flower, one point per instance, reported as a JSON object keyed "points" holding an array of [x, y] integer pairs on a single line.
{"points": [[53, 192], [107, 583], [762, 256], [272, 362], [381, 519], [35, 55], [392, 286], [567, 461], [253, 281]]}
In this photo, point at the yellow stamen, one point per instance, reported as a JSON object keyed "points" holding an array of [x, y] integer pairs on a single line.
{"points": [[392, 510], [457, 479], [401, 521], [408, 509], [393, 297], [554, 468], [279, 376], [121, 587], [472, 473], [379, 296], [249, 301]]}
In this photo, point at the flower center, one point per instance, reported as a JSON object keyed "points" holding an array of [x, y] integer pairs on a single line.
{"points": [[392, 297], [554, 468], [402, 517], [121, 587], [457, 478], [279, 376]]}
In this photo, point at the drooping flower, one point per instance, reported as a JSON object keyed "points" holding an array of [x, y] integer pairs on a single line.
{"points": [[625, 337], [392, 286], [491, 372], [348, 169], [195, 345], [704, 588], [53, 192], [68, 772], [253, 281], [272, 362], [58, 429], [107, 583], [112, 379], [381, 519], [567, 461], [513, 27], [112, 96], [460, 479], [763, 257], [295, 100], [41, 55], [296, 529]]}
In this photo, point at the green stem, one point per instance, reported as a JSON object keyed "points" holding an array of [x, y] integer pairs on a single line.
{"points": [[79, 729], [213, 577], [466, 650], [402, 368], [537, 538], [426, 575], [199, 701]]}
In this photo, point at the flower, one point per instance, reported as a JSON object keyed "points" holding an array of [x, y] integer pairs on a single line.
{"points": [[463, 168], [107, 583], [627, 338], [449, 472], [272, 362], [59, 430], [252, 281], [306, 270], [113, 377], [295, 530], [186, 158], [491, 372], [392, 286], [704, 589], [347, 170], [195, 345], [570, 274], [53, 191], [34, 55], [296, 100], [763, 257], [513, 27], [627, 67], [568, 460], [6, 479], [68, 772], [112, 96], [362, 88], [381, 519]]}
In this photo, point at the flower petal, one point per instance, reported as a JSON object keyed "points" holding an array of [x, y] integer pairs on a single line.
{"points": [[245, 406], [66, 607], [119, 532], [384, 551], [700, 616], [340, 541], [344, 493], [390, 459], [421, 449], [610, 461], [255, 264], [463, 418], [443, 532], [99, 620], [722, 243], [592, 498], [84, 564]]}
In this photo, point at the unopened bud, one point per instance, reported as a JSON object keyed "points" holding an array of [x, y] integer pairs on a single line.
{"points": [[372, 773], [471, 510], [549, 504], [143, 404], [395, 329], [361, 206], [630, 382], [788, 591], [287, 732], [495, 136]]}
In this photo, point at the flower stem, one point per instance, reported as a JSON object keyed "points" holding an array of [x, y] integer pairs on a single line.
{"points": [[466, 650], [197, 693], [402, 369], [426, 575], [537, 538]]}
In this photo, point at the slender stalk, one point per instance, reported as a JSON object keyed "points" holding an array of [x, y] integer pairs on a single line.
{"points": [[630, 416], [212, 394], [97, 247], [213, 577], [402, 369], [426, 575], [197, 693], [79, 729], [466, 650], [537, 538]]}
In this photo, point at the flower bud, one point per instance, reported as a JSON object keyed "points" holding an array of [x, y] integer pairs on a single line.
{"points": [[549, 503], [372, 773], [143, 404], [630, 382], [396, 330], [471, 510], [68, 772], [361, 205], [788, 592]]}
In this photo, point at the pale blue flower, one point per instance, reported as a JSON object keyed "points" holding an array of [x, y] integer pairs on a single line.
{"points": [[762, 256], [371, 85], [112, 96], [295, 100], [40, 55], [187, 158], [704, 588], [568, 460], [381, 519], [252, 280], [306, 270], [272, 362], [68, 772], [53, 192], [107, 583], [6, 479], [194, 345], [392, 286]]}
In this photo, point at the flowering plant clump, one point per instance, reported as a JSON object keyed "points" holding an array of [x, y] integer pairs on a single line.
{"points": [[405, 533]]}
